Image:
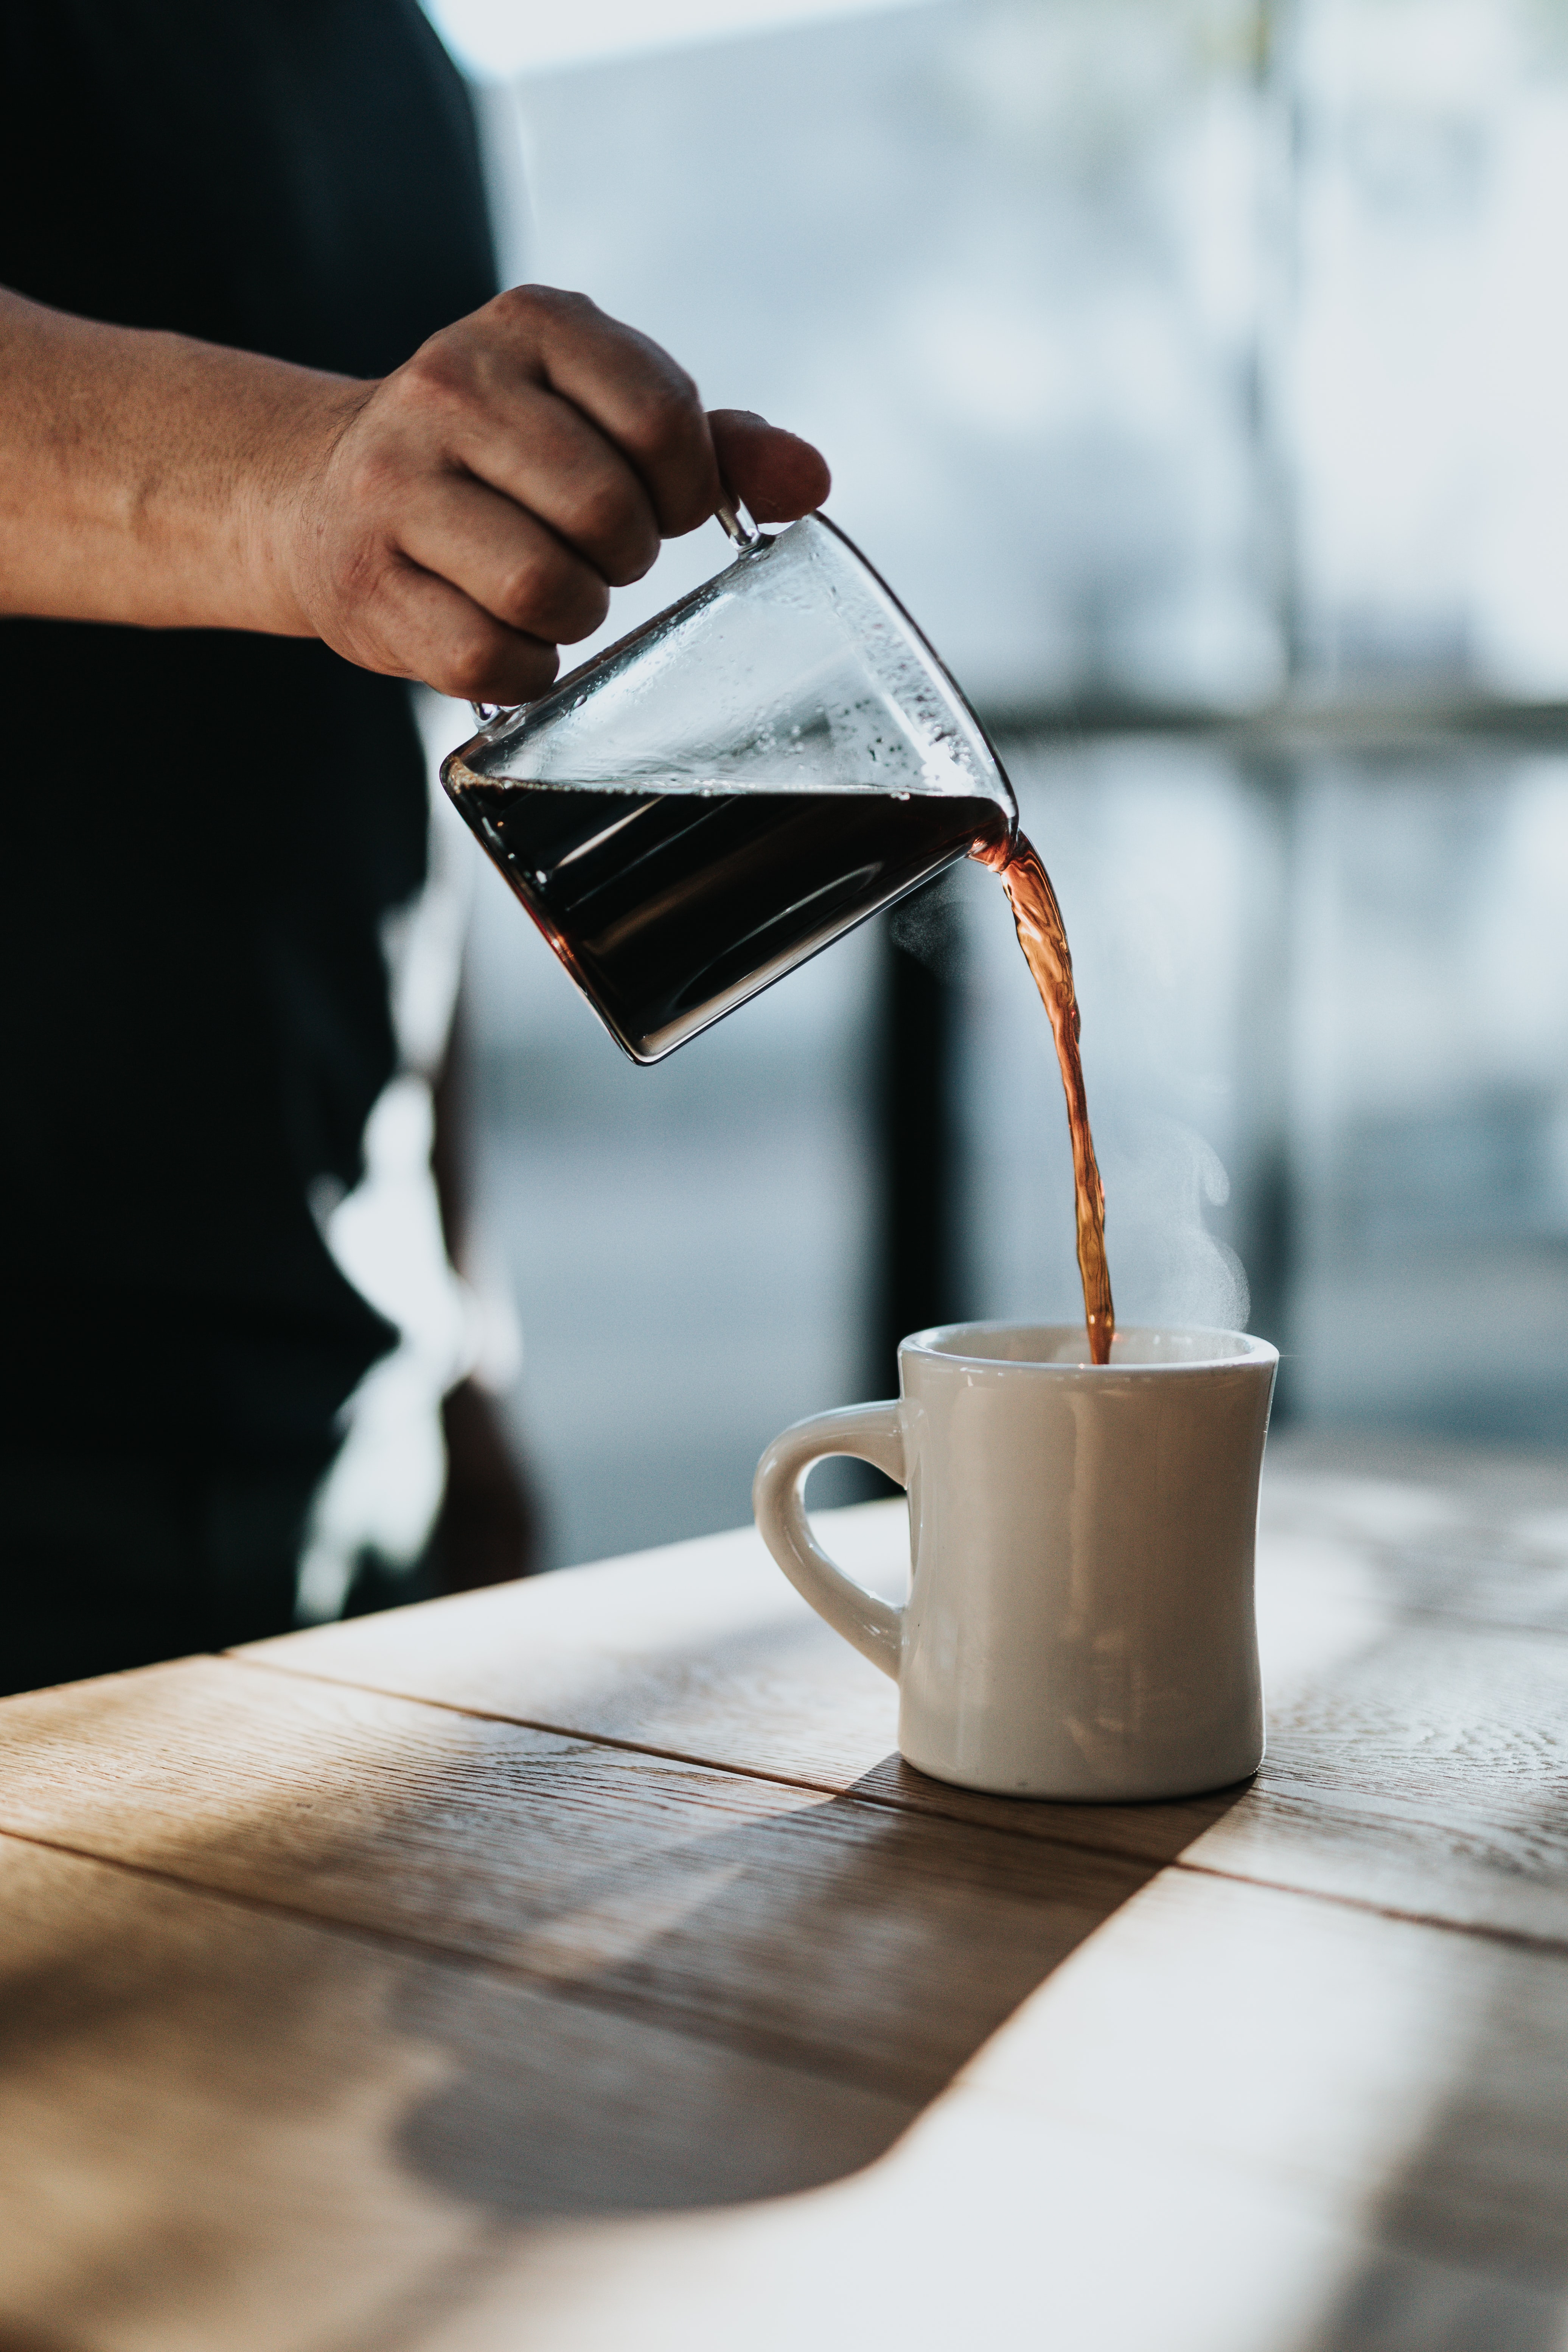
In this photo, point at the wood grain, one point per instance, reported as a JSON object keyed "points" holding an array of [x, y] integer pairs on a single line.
{"points": [[370, 2014], [1233, 2118], [877, 1946], [1420, 1767], [699, 1649], [1416, 1750], [989, 2226], [221, 2126], [1413, 2072], [1473, 1534]]}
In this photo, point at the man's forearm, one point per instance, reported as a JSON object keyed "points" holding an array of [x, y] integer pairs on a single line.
{"points": [[456, 522], [140, 473]]}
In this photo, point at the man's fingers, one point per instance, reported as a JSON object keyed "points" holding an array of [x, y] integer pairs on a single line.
{"points": [[451, 643], [478, 503], [778, 476], [635, 394], [502, 559], [548, 459]]}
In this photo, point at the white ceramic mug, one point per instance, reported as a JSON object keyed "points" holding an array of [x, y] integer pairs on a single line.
{"points": [[1079, 1622]]}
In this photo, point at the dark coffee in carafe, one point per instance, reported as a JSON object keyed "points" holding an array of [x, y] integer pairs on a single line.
{"points": [[668, 908], [741, 780]]}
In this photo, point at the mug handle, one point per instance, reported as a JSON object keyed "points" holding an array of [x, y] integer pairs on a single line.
{"points": [[871, 1433]]}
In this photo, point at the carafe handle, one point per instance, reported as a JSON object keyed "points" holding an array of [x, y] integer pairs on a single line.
{"points": [[736, 519]]}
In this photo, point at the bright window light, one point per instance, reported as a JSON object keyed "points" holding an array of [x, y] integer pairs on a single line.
{"points": [[494, 39]]}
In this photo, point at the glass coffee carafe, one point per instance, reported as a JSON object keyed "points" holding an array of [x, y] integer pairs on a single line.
{"points": [[734, 785]]}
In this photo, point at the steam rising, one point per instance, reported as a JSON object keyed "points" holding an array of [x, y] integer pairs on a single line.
{"points": [[1165, 1265], [929, 925]]}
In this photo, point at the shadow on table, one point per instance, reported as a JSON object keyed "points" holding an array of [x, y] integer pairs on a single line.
{"points": [[1466, 2239], [823, 1981], [533, 1973], [1469, 2237]]}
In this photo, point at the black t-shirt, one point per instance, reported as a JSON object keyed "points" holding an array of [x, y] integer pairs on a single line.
{"points": [[204, 830]]}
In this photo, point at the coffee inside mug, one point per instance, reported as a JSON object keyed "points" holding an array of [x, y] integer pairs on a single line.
{"points": [[1067, 1343]]}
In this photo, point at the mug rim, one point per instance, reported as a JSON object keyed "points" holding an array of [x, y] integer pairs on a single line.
{"points": [[1244, 1348]]}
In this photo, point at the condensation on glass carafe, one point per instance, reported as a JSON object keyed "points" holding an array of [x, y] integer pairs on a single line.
{"points": [[733, 787]]}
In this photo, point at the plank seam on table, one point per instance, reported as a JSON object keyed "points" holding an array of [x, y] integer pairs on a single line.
{"points": [[535, 1723], [1525, 1939], [778, 2049], [832, 1788], [275, 1906], [1167, 2145]]}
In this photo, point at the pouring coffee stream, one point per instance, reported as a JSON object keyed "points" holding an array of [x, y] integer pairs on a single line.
{"points": [[761, 768], [1043, 937]]}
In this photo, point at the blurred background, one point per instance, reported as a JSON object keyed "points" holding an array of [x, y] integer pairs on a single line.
{"points": [[1194, 373]]}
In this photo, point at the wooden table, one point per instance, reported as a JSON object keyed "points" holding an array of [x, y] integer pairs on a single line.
{"points": [[575, 1965]]}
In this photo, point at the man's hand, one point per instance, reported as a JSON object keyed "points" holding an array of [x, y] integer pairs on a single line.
{"points": [[455, 523], [477, 506]]}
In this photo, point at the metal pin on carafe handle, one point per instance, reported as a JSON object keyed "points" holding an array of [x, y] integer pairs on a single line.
{"points": [[743, 533], [735, 519]]}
